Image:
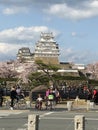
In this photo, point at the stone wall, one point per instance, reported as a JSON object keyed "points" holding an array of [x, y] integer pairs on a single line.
{"points": [[47, 60]]}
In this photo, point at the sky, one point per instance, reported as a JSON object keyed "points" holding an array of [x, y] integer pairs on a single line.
{"points": [[74, 24]]}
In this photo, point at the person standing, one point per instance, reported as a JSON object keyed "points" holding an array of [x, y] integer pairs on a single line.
{"points": [[51, 99], [1, 96], [18, 91], [57, 95], [95, 96], [47, 92], [13, 96]]}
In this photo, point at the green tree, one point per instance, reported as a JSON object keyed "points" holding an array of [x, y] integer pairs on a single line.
{"points": [[46, 73], [38, 78], [50, 70]]}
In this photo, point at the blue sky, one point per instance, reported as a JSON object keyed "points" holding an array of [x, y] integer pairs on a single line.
{"points": [[74, 24]]}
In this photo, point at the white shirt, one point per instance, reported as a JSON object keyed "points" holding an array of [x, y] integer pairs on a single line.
{"points": [[39, 99]]}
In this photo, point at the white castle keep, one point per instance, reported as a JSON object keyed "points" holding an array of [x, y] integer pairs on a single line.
{"points": [[46, 49]]}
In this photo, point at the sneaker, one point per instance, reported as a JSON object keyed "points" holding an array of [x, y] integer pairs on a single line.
{"points": [[11, 108]]}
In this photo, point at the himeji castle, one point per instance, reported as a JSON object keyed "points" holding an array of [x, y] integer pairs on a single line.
{"points": [[46, 50]]}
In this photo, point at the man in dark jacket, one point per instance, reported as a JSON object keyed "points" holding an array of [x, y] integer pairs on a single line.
{"points": [[13, 96], [1, 96]]}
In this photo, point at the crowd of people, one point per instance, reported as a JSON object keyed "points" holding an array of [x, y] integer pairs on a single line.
{"points": [[52, 95], [51, 98], [83, 92]]}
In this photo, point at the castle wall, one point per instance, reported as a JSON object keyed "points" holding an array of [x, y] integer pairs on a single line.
{"points": [[47, 60]]}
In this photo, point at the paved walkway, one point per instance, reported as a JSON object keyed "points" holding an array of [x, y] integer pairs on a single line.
{"points": [[60, 106]]}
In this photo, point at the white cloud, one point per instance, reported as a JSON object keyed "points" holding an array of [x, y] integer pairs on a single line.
{"points": [[8, 51], [23, 34], [93, 4], [85, 57], [65, 9], [73, 34], [14, 10], [6, 48], [8, 11], [85, 10], [79, 35]]}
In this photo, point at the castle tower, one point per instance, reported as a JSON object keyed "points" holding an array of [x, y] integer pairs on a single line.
{"points": [[47, 49], [24, 54]]}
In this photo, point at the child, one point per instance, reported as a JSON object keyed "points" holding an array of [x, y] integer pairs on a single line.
{"points": [[39, 102]]}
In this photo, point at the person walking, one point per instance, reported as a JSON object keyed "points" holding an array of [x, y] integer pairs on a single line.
{"points": [[13, 96], [1, 96], [57, 95]]}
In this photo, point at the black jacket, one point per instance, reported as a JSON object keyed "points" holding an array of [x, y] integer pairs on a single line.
{"points": [[1, 92], [13, 94]]}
